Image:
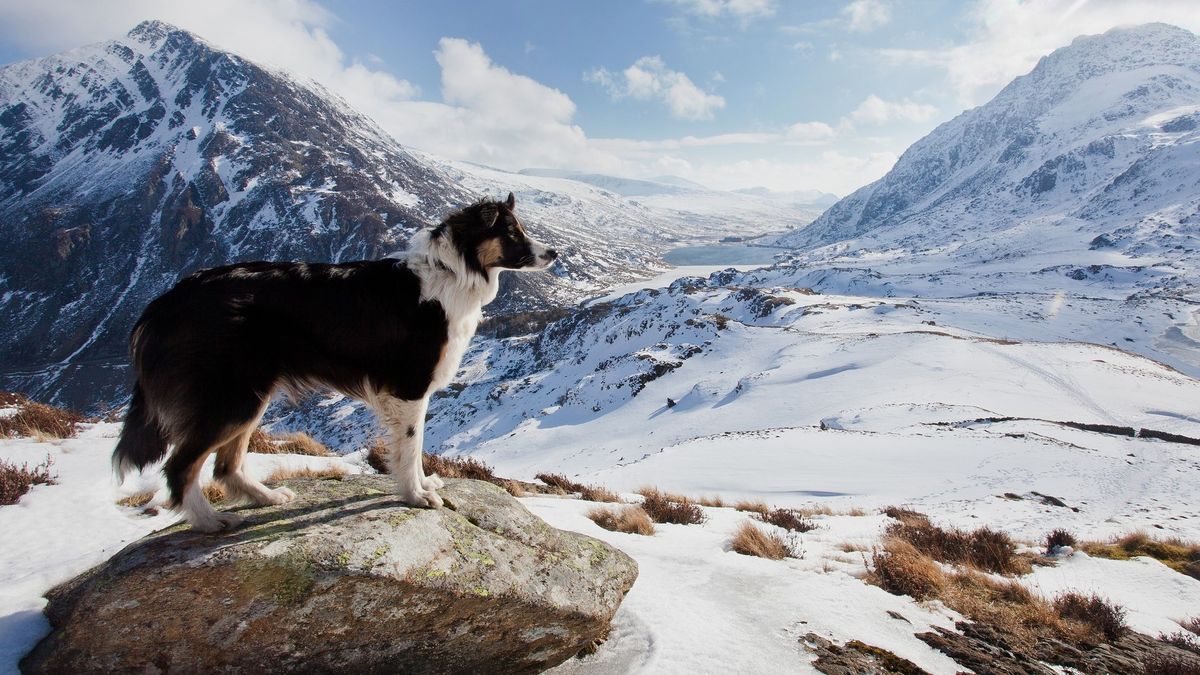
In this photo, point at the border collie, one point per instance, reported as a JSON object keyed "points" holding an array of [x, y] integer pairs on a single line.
{"points": [[209, 353]]}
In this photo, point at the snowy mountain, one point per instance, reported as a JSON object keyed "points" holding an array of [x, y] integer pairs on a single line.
{"points": [[1094, 154], [827, 374], [127, 164]]}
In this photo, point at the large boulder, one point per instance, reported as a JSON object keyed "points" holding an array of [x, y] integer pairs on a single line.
{"points": [[344, 579]]}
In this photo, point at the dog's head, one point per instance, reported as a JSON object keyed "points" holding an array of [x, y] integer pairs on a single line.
{"points": [[489, 237]]}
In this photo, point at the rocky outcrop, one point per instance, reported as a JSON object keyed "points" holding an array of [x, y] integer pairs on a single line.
{"points": [[344, 579]]}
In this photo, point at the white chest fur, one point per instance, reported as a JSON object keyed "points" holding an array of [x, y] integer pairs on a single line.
{"points": [[458, 338]]}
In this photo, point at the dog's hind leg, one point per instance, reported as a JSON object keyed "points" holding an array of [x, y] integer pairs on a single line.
{"points": [[405, 421], [229, 471], [183, 480], [237, 482]]}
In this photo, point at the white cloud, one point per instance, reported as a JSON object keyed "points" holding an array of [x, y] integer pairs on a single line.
{"points": [[740, 9], [1009, 36], [866, 15], [649, 78], [874, 110]]}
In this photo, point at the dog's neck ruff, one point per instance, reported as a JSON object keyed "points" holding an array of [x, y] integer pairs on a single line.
{"points": [[445, 277]]}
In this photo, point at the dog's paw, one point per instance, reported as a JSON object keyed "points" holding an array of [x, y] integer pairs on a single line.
{"points": [[217, 522], [432, 482], [279, 495], [420, 497]]}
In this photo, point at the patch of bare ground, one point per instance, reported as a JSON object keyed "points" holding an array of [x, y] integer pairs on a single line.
{"points": [[856, 657]]}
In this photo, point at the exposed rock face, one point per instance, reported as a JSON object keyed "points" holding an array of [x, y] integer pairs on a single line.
{"points": [[344, 579]]}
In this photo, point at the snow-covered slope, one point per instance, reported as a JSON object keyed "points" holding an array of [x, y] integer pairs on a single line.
{"points": [[126, 164], [1093, 158]]}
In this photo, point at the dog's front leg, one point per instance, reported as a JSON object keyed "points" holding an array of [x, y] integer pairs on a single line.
{"points": [[405, 421]]}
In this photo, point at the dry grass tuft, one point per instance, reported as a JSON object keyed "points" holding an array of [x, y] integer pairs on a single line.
{"points": [[630, 519], [1181, 556], [753, 540], [38, 420], [1058, 539], [985, 549], [851, 547], [663, 509], [137, 500], [15, 480], [1023, 618], [213, 492], [285, 473], [788, 519], [714, 501], [900, 569], [752, 506], [294, 443], [1170, 664], [448, 467], [590, 493], [1191, 625], [1094, 611]]}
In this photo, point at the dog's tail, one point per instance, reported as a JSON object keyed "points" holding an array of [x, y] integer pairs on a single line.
{"points": [[142, 440]]}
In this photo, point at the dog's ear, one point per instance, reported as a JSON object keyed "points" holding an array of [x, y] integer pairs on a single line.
{"points": [[511, 201], [488, 215]]}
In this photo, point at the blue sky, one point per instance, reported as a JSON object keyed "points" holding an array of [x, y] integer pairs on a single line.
{"points": [[731, 93]]}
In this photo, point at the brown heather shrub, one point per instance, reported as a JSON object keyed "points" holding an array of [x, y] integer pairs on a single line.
{"points": [[15, 480], [906, 516], [1191, 625], [588, 493], [1183, 640], [294, 443], [1094, 611], [630, 519], [1170, 664], [985, 549], [753, 540], [662, 509], [1057, 539], [1007, 606], [900, 569], [38, 420], [285, 473], [788, 519], [752, 506], [213, 492], [1181, 556], [137, 500], [448, 467]]}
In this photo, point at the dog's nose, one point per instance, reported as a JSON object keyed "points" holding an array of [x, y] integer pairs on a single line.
{"points": [[550, 254]]}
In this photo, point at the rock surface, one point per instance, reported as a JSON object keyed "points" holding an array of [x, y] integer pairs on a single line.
{"points": [[344, 579]]}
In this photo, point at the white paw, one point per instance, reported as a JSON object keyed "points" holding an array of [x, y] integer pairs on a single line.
{"points": [[420, 497], [279, 495], [432, 482], [217, 522]]}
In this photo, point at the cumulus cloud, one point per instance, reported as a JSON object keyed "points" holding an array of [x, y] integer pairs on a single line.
{"points": [[649, 78], [866, 15], [1007, 37], [874, 110]]}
